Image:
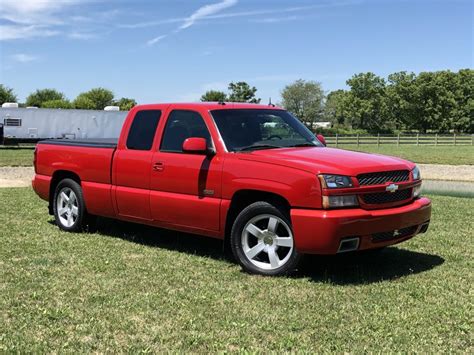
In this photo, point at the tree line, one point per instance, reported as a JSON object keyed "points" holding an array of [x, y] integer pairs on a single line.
{"points": [[438, 102], [94, 99]]}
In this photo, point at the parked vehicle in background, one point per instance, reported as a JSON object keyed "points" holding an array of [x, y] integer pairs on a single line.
{"points": [[251, 174], [22, 125]]}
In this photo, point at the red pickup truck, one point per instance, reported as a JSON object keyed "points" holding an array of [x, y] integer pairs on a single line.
{"points": [[251, 174]]}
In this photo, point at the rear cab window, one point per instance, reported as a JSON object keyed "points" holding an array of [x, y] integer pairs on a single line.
{"points": [[142, 130]]}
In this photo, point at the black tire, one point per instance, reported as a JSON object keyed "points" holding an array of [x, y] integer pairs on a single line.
{"points": [[239, 238], [79, 222]]}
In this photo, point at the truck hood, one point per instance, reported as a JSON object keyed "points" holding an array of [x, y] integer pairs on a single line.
{"points": [[328, 160]]}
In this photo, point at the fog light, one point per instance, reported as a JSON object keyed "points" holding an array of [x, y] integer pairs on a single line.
{"points": [[417, 191], [340, 201]]}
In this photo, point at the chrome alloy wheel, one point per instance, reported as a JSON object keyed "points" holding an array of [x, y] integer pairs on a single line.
{"points": [[267, 241], [67, 207]]}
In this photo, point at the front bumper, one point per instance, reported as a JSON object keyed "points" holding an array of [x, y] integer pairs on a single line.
{"points": [[321, 231]]}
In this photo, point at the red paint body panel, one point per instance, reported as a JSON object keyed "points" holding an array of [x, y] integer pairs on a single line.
{"points": [[131, 178], [91, 164], [193, 192], [98, 198], [41, 184]]}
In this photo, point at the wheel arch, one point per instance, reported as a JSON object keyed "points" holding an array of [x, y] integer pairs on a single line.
{"points": [[56, 178], [245, 197]]}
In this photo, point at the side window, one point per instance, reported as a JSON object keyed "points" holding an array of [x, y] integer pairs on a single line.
{"points": [[180, 126], [142, 131]]}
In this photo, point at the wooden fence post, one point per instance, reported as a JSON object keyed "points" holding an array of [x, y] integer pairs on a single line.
{"points": [[378, 139], [436, 139], [398, 139], [357, 139], [336, 140], [454, 138], [417, 139]]}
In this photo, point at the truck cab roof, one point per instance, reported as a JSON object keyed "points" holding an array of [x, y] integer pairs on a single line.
{"points": [[209, 106]]}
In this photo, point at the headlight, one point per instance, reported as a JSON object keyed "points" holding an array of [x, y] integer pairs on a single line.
{"points": [[417, 191], [416, 173], [335, 181], [340, 201]]}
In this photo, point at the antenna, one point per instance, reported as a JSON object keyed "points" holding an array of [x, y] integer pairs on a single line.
{"points": [[270, 102]]}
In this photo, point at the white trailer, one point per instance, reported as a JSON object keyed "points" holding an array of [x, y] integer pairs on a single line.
{"points": [[26, 124]]}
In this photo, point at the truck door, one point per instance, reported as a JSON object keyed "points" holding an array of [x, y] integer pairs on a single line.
{"points": [[185, 188], [132, 166]]}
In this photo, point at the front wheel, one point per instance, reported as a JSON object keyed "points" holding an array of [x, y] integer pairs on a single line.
{"points": [[262, 240], [69, 206]]}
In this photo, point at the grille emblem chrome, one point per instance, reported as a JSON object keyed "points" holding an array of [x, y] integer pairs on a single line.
{"points": [[391, 188], [396, 233]]}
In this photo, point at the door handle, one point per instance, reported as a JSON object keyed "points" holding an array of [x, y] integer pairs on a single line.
{"points": [[158, 166]]}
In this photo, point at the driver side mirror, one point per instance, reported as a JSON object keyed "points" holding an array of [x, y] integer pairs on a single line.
{"points": [[197, 145], [321, 139]]}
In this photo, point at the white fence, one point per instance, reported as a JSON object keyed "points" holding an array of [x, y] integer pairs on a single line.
{"points": [[401, 139]]}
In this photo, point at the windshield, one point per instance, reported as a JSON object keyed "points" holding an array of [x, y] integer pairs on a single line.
{"points": [[243, 129]]}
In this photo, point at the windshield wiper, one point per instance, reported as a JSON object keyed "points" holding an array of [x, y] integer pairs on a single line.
{"points": [[302, 145], [259, 146]]}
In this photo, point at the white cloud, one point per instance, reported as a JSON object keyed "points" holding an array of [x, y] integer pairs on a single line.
{"points": [[200, 13], [24, 58], [155, 40], [82, 35], [282, 11], [10, 32], [32, 11], [30, 18], [205, 11], [277, 19], [152, 23]]}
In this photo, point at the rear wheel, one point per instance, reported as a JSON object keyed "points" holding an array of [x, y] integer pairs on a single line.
{"points": [[69, 207], [262, 240]]}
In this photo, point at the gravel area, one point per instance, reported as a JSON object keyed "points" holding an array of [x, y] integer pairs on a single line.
{"points": [[447, 172], [16, 176], [21, 176]]}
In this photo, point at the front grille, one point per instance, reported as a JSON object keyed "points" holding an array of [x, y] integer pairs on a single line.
{"points": [[386, 197], [396, 234], [383, 177]]}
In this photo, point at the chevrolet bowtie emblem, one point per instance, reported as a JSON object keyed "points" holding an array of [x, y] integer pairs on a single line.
{"points": [[391, 188]]}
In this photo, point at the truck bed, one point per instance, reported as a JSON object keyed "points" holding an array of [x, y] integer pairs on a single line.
{"points": [[92, 143]]}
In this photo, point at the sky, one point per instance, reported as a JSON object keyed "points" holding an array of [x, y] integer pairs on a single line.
{"points": [[173, 51]]}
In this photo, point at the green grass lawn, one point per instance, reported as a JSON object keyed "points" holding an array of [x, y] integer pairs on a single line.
{"points": [[16, 156], [131, 288], [451, 155]]}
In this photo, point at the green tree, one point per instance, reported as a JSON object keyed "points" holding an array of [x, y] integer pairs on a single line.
{"points": [[334, 108], [305, 100], [365, 103], [65, 104], [83, 103], [125, 103], [214, 96], [400, 105], [94, 99], [7, 94], [242, 92], [463, 113], [40, 96]]}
